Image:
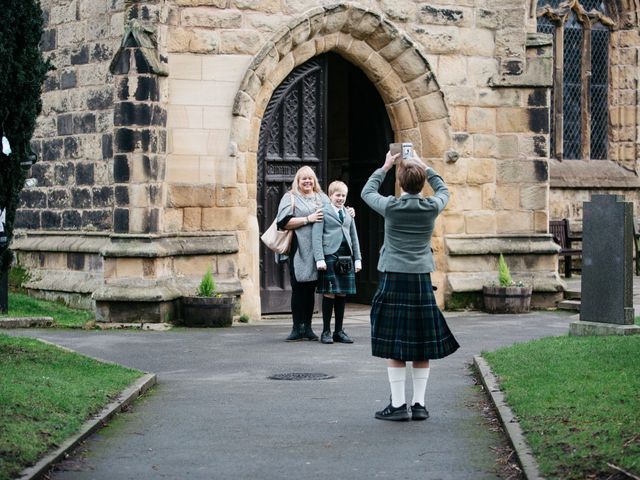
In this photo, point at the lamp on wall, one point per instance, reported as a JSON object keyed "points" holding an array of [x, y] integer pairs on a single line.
{"points": [[28, 162]]}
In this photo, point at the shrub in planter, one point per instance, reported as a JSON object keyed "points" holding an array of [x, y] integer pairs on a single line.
{"points": [[508, 296], [207, 308]]}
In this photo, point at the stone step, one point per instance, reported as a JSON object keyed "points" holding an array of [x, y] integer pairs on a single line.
{"points": [[573, 305], [572, 294]]}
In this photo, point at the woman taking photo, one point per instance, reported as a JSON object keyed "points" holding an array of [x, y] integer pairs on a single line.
{"points": [[406, 323]]}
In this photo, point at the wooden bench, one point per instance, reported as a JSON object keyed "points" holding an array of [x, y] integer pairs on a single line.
{"points": [[563, 237]]}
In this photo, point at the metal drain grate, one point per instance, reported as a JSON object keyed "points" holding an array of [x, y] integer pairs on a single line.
{"points": [[300, 376]]}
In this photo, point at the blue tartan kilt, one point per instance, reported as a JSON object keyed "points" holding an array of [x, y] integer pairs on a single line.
{"points": [[406, 323], [331, 282]]}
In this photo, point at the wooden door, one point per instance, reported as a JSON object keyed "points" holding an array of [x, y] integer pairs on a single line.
{"points": [[370, 133], [292, 134]]}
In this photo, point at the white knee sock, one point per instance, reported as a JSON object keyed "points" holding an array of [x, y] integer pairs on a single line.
{"points": [[397, 377], [420, 378]]}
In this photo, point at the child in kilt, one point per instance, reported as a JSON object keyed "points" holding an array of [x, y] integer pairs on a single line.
{"points": [[333, 238], [406, 323]]}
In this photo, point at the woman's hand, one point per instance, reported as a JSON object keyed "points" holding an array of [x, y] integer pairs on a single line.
{"points": [[389, 161], [316, 216], [321, 265]]}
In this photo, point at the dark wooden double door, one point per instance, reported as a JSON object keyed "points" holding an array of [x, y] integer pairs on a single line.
{"points": [[328, 115]]}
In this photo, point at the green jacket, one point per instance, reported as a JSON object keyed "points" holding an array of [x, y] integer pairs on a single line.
{"points": [[408, 224]]}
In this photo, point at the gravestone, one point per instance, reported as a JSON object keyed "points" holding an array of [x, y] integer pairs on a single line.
{"points": [[606, 305]]}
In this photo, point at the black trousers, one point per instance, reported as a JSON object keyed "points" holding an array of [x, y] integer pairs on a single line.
{"points": [[303, 296]]}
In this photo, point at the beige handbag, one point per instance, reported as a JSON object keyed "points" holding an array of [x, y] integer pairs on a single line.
{"points": [[276, 240]]}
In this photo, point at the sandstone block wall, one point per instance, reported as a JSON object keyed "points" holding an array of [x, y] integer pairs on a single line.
{"points": [[466, 81]]}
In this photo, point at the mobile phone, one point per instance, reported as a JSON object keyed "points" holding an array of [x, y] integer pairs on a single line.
{"points": [[405, 149]]}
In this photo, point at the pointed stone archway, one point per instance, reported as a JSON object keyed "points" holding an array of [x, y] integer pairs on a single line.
{"points": [[389, 57]]}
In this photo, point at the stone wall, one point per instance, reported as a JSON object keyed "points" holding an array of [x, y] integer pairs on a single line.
{"points": [[466, 81], [74, 137]]}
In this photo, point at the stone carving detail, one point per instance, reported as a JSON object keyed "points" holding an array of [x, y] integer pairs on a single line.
{"points": [[143, 39]]}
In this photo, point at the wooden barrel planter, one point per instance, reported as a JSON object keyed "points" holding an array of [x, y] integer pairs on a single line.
{"points": [[207, 311], [506, 299]]}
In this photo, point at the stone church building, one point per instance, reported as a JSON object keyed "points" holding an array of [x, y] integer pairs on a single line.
{"points": [[171, 128]]}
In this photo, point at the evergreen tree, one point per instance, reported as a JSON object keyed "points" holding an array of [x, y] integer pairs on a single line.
{"points": [[22, 71]]}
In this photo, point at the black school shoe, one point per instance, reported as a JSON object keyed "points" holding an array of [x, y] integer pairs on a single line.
{"points": [[341, 337], [418, 412], [326, 337], [399, 414]]}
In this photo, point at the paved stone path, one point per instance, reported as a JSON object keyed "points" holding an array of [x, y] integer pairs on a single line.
{"points": [[216, 415]]}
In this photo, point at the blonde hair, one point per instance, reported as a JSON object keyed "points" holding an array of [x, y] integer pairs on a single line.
{"points": [[305, 171], [338, 186]]}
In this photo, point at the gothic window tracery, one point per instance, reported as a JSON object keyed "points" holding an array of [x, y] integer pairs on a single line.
{"points": [[581, 32]]}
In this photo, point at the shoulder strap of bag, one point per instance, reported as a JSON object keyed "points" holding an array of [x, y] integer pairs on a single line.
{"points": [[293, 203]]}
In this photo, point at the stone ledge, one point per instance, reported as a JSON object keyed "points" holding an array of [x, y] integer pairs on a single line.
{"points": [[26, 322], [474, 281], [58, 242], [497, 244], [580, 328], [149, 246], [64, 281], [167, 247], [585, 174], [162, 290]]}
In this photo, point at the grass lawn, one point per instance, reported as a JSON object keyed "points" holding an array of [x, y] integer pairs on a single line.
{"points": [[22, 305], [578, 401], [46, 394]]}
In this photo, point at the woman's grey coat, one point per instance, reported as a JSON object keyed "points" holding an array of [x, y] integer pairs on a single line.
{"points": [[304, 265]]}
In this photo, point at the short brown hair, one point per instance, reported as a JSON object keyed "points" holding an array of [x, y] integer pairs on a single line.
{"points": [[412, 177]]}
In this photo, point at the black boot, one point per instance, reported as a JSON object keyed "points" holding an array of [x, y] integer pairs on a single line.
{"points": [[297, 333], [308, 332]]}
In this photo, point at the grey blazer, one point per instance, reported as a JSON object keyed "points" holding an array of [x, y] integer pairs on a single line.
{"points": [[408, 224], [327, 235]]}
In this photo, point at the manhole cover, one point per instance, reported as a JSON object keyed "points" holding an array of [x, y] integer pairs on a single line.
{"points": [[300, 376]]}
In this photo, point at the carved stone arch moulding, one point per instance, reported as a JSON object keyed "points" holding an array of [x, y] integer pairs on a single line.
{"points": [[391, 60], [624, 13]]}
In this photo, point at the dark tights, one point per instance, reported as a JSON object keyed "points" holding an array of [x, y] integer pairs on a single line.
{"points": [[302, 302], [328, 306]]}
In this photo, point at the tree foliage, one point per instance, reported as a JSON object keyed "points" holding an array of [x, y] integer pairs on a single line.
{"points": [[22, 71]]}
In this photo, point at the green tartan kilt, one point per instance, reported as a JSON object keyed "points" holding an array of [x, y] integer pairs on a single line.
{"points": [[331, 282], [406, 323]]}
